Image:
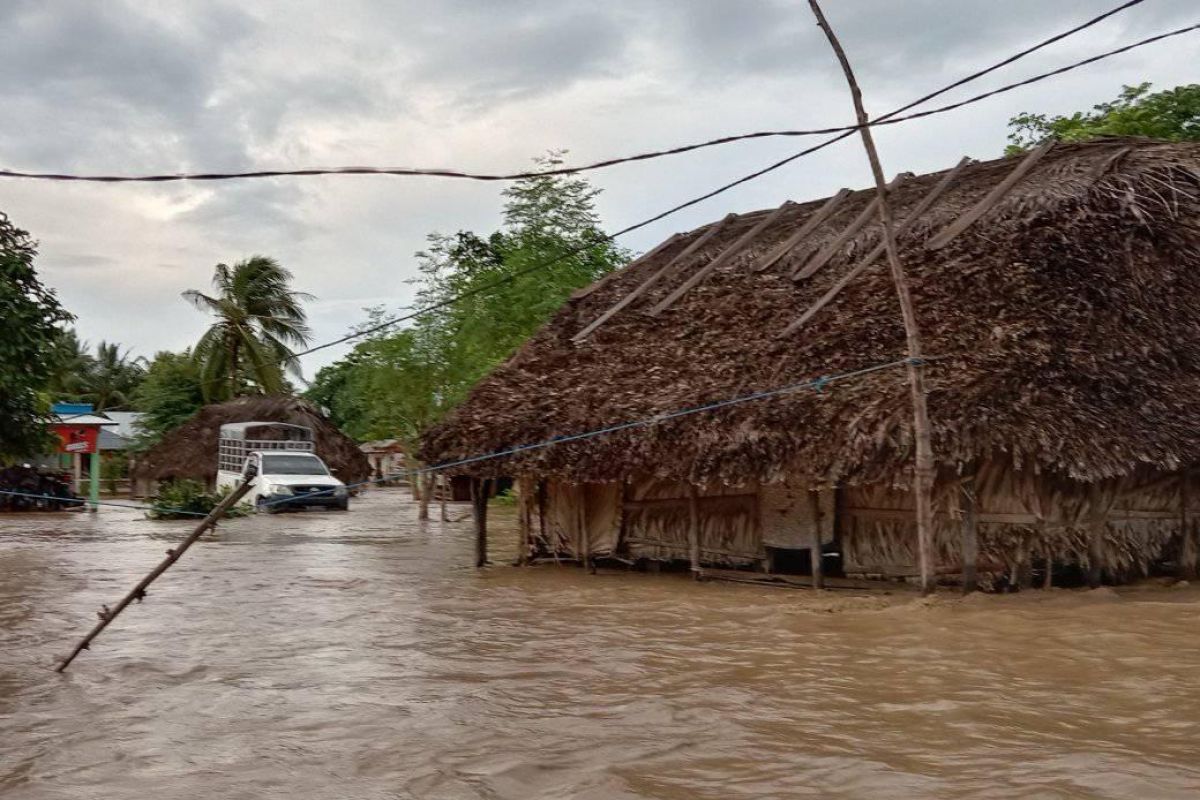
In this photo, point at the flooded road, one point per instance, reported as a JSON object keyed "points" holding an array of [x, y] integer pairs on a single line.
{"points": [[360, 656]]}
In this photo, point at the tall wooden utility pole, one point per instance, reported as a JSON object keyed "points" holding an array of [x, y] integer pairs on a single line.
{"points": [[924, 469]]}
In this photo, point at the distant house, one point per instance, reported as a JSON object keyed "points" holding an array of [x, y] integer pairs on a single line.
{"points": [[1058, 294], [387, 458], [123, 435], [190, 451]]}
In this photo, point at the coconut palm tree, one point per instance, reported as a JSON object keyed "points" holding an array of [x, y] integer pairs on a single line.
{"points": [[72, 366], [113, 376], [259, 319]]}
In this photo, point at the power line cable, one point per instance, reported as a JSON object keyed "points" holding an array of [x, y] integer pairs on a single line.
{"points": [[816, 384], [846, 132], [890, 119]]}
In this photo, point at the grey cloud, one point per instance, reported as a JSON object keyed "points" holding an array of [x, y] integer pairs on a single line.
{"points": [[174, 85], [536, 52]]}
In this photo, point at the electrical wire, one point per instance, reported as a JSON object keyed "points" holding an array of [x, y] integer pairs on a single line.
{"points": [[845, 133], [890, 119], [815, 384]]}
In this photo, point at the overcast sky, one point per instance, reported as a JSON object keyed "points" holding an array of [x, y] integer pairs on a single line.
{"points": [[178, 86]]}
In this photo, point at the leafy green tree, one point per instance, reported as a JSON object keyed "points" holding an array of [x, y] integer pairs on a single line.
{"points": [[494, 292], [259, 319], [1173, 115], [170, 393], [508, 294], [32, 318]]}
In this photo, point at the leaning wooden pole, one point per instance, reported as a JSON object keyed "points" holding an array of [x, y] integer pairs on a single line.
{"points": [[924, 469], [138, 592]]}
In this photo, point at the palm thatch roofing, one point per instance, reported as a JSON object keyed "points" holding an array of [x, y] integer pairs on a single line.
{"points": [[190, 451], [1064, 324]]}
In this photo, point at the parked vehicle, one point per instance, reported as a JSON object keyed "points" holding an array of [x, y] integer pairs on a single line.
{"points": [[287, 473]]}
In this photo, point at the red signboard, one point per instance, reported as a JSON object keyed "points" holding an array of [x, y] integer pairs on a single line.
{"points": [[77, 438]]}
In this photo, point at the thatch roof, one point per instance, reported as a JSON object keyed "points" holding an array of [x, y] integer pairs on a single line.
{"points": [[190, 451], [1065, 323]]}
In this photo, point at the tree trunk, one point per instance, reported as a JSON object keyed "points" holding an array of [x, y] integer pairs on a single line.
{"points": [[444, 489], [426, 481], [233, 365], [414, 478], [923, 473]]}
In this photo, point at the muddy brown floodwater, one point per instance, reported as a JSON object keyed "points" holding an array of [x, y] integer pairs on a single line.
{"points": [[358, 655]]}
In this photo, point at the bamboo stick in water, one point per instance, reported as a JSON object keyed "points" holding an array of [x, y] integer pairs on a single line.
{"points": [[174, 554]]}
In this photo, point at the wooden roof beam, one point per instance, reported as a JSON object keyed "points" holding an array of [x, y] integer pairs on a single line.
{"points": [[976, 212], [830, 250], [912, 217], [726, 254], [820, 215], [591, 287], [641, 288]]}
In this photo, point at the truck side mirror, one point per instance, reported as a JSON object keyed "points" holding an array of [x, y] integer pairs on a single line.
{"points": [[250, 471]]}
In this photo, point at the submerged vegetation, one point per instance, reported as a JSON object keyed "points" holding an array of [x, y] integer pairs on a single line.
{"points": [[186, 499]]}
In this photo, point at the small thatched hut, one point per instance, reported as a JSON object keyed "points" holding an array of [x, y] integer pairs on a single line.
{"points": [[1058, 295], [190, 451]]}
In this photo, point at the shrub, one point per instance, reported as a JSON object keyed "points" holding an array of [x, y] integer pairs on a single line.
{"points": [[186, 498]]}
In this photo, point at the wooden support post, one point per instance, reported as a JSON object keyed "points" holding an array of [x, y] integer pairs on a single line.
{"points": [[623, 519], [107, 615], [1048, 552], [541, 507], [479, 507], [524, 518], [970, 537], [694, 530], [1025, 564], [923, 471], [1187, 545], [1096, 528], [818, 565], [585, 534]]}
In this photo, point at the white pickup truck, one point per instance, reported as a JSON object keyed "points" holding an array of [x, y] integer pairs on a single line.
{"points": [[287, 473], [295, 480]]}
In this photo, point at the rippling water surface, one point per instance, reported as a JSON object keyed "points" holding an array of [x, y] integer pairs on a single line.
{"points": [[357, 655]]}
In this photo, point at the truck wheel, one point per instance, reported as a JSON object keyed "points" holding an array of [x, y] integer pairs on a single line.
{"points": [[263, 508]]}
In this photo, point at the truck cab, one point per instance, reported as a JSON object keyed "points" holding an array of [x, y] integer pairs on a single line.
{"points": [[294, 480]]}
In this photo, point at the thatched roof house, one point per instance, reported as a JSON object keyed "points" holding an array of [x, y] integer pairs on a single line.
{"points": [[190, 451], [1058, 295]]}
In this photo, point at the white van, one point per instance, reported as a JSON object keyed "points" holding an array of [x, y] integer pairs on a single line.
{"points": [[288, 474]]}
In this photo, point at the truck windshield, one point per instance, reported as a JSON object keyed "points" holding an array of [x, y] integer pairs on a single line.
{"points": [[293, 465]]}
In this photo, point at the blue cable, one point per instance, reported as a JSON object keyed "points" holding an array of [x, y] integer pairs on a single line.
{"points": [[816, 384]]}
